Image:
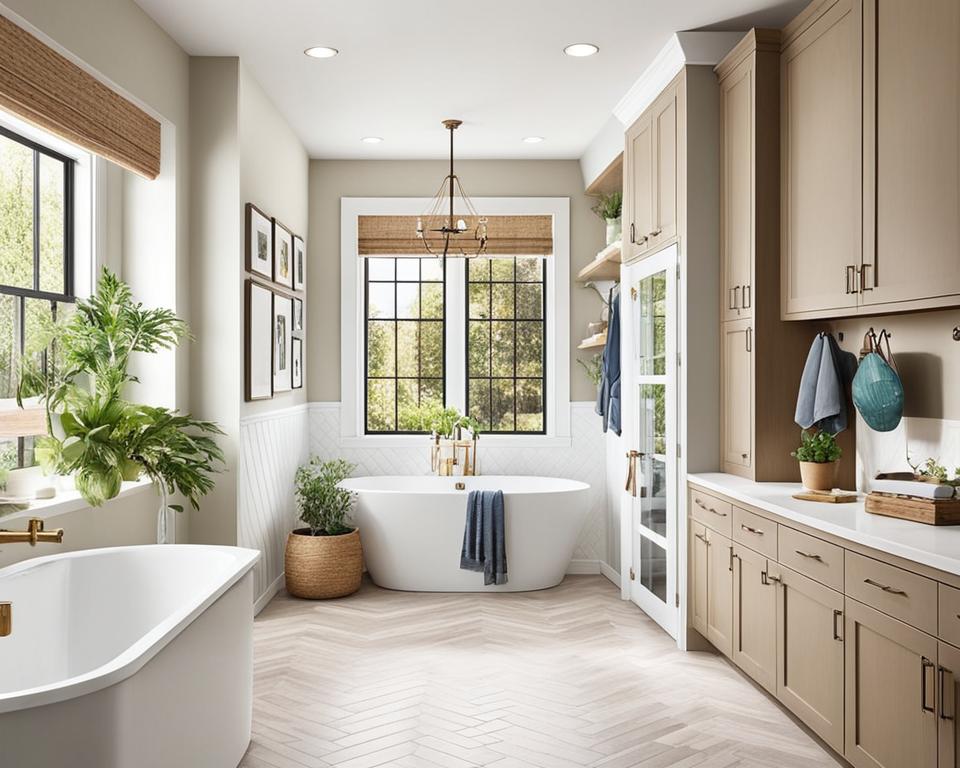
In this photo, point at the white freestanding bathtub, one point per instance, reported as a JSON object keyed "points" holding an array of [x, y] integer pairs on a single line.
{"points": [[412, 530], [129, 657]]}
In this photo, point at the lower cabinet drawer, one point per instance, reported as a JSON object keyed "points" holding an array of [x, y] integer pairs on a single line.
{"points": [[894, 591], [813, 557], [711, 511], [756, 532]]}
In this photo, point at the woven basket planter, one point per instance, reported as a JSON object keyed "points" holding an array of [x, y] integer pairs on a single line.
{"points": [[322, 567]]}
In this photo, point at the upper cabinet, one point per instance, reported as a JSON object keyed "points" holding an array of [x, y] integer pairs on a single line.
{"points": [[650, 166], [870, 131]]}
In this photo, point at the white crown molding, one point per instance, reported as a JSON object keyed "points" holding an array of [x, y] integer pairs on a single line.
{"points": [[682, 49]]}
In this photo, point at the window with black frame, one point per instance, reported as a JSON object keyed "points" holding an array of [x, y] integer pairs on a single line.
{"points": [[36, 260], [404, 322], [506, 344]]}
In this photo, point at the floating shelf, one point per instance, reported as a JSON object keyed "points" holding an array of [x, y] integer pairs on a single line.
{"points": [[605, 267], [593, 342]]}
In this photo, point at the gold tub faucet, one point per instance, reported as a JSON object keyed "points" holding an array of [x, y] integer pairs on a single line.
{"points": [[34, 533]]}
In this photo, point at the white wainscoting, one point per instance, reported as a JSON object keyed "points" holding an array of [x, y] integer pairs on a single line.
{"points": [[272, 446], [583, 459]]}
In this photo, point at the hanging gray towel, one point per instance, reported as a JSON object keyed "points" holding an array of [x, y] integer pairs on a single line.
{"points": [[484, 537], [822, 400], [608, 394]]}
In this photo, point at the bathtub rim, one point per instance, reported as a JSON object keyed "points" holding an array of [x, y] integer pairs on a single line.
{"points": [[578, 486], [136, 656]]}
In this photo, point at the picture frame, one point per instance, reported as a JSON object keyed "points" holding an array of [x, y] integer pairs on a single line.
{"points": [[297, 314], [282, 255], [282, 338], [299, 263], [258, 249], [258, 341], [296, 357]]}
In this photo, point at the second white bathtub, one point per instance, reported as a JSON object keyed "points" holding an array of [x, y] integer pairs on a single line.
{"points": [[412, 530]]}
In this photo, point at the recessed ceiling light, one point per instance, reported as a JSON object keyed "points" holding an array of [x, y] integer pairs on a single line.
{"points": [[532, 139], [371, 139], [581, 49], [321, 52]]}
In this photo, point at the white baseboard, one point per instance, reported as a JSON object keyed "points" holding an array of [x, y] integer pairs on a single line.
{"points": [[580, 567], [268, 595], [611, 573]]}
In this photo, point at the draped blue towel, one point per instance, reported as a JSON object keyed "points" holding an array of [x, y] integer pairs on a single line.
{"points": [[484, 538], [608, 393]]}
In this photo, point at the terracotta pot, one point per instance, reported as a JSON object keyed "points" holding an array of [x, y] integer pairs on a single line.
{"points": [[322, 567], [818, 477]]}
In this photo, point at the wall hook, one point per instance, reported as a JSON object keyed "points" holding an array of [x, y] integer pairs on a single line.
{"points": [[956, 333]]}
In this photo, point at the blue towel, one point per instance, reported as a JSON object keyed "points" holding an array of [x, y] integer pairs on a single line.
{"points": [[608, 393], [822, 400], [484, 538]]}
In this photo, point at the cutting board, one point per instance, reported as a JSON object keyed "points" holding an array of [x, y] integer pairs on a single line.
{"points": [[928, 511], [826, 497]]}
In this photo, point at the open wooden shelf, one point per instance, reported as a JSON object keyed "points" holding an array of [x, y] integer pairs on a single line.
{"points": [[605, 267], [609, 180], [593, 342]]}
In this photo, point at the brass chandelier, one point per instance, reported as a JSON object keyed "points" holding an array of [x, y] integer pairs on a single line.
{"points": [[452, 235]]}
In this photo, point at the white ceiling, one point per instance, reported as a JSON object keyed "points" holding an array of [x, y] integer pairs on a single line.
{"points": [[405, 65]]}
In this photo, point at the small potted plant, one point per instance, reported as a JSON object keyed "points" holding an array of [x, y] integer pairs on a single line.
{"points": [[324, 559], [818, 455], [608, 208]]}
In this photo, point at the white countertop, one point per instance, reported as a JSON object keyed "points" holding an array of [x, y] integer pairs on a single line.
{"points": [[936, 546]]}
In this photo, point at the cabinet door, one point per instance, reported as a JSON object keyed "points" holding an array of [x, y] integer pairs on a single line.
{"points": [[664, 118], [891, 719], [916, 139], [737, 396], [821, 163], [810, 654], [948, 697], [737, 191], [638, 182], [754, 617], [698, 577], [720, 592]]}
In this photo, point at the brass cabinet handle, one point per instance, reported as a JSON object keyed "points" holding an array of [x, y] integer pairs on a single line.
{"points": [[809, 555], [656, 232], [709, 509], [736, 297], [631, 486], [885, 587], [766, 578], [864, 287], [747, 296], [854, 271], [942, 684], [748, 339], [748, 529], [925, 664], [633, 232], [702, 538], [836, 633], [732, 298], [731, 558]]}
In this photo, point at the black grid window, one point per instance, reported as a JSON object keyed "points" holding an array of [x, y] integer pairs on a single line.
{"points": [[506, 344], [36, 259], [404, 316]]}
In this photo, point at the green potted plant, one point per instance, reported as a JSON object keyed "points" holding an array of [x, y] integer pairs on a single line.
{"points": [[609, 208], [324, 559], [818, 455], [95, 434]]}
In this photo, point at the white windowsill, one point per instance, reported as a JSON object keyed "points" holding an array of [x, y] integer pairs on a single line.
{"points": [[485, 441], [68, 501]]}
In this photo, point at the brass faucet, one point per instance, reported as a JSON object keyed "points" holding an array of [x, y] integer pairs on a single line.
{"points": [[6, 619], [32, 535]]}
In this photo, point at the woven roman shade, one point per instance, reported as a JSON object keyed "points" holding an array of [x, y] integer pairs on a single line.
{"points": [[506, 236], [50, 91]]}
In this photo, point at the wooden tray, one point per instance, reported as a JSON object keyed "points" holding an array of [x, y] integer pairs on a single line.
{"points": [[928, 511]]}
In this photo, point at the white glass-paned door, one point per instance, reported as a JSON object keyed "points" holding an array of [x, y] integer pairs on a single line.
{"points": [[649, 386]]}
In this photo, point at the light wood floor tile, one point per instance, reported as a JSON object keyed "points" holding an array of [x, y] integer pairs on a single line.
{"points": [[571, 677]]}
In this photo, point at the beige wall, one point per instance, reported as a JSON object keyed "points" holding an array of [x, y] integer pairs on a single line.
{"points": [[332, 179]]}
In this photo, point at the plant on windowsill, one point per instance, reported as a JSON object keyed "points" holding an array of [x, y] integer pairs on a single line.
{"points": [[818, 454], [609, 208], [94, 433], [325, 559]]}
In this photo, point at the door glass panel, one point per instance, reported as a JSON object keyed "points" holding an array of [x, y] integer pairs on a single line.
{"points": [[653, 568], [652, 414], [650, 340]]}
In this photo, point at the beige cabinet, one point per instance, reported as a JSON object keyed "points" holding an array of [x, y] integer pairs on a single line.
{"points": [[810, 660], [948, 697], [698, 577], [638, 188], [891, 692], [821, 158], [719, 592], [664, 120], [736, 393], [755, 616]]}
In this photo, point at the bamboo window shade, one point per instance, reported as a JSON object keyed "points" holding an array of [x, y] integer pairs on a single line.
{"points": [[506, 236], [46, 89]]}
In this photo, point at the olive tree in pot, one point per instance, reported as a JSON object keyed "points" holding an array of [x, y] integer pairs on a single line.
{"points": [[324, 559], [819, 455]]}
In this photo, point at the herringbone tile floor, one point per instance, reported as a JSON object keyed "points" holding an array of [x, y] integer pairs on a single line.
{"points": [[564, 678]]}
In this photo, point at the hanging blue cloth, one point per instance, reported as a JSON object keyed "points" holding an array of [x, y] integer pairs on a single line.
{"points": [[608, 394]]}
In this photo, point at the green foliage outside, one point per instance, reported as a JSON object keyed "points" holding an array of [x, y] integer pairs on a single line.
{"points": [[818, 447], [323, 505]]}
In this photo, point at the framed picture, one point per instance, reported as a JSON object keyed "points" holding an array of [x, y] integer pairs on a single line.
{"points": [[258, 341], [282, 255], [297, 350], [299, 263], [259, 249], [282, 329], [297, 314]]}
